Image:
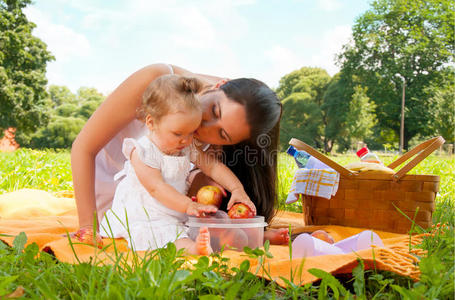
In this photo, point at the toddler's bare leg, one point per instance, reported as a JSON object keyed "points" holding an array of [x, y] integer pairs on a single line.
{"points": [[199, 247]]}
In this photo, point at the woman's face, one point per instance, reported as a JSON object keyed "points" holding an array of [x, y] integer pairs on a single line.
{"points": [[223, 120]]}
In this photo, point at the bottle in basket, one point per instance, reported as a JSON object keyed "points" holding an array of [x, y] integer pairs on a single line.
{"points": [[304, 160], [300, 156], [366, 156]]}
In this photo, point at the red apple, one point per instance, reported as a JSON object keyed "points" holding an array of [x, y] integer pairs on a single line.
{"points": [[209, 195], [240, 211]]}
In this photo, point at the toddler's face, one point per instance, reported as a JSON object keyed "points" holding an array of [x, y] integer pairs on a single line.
{"points": [[174, 131]]}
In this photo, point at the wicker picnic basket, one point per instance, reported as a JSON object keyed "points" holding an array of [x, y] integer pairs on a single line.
{"points": [[372, 200]]}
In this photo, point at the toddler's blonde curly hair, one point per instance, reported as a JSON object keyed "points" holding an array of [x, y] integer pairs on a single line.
{"points": [[170, 94]]}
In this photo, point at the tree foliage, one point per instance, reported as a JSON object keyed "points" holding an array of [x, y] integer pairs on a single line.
{"points": [[361, 116], [413, 38], [61, 95], [324, 111], [89, 99], [68, 113], [336, 107], [442, 101], [60, 133], [302, 93], [23, 60]]}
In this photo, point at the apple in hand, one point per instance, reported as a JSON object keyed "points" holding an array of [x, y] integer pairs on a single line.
{"points": [[240, 211], [209, 195]]}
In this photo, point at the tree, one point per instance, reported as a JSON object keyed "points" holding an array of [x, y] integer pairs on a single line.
{"points": [[301, 119], [413, 38], [444, 114], [66, 110], [60, 133], [302, 93], [60, 95], [23, 60], [89, 99], [442, 111], [89, 94], [67, 115], [335, 105], [361, 117]]}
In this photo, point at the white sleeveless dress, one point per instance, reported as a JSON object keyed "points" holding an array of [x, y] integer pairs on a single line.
{"points": [[135, 215], [110, 160]]}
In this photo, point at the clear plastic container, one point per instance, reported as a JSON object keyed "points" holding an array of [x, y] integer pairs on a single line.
{"points": [[233, 234]]}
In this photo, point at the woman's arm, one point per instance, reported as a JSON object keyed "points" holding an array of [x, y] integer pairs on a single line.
{"points": [[114, 114], [208, 79], [221, 174]]}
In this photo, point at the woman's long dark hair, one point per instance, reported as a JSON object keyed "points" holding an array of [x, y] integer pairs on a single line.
{"points": [[254, 161]]}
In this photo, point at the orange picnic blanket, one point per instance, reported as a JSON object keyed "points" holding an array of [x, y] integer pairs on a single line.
{"points": [[47, 218]]}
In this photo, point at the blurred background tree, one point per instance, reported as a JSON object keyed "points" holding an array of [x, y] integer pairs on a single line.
{"points": [[336, 107], [67, 115], [361, 116], [44, 117], [23, 61], [302, 93], [412, 38], [89, 99], [442, 103]]}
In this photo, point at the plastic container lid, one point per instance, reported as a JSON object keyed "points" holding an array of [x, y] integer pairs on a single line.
{"points": [[362, 152], [213, 222]]}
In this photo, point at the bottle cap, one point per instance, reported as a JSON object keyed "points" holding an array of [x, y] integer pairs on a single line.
{"points": [[291, 151], [362, 152]]}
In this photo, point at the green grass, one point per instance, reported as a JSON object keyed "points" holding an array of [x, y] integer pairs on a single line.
{"points": [[44, 170], [161, 273]]}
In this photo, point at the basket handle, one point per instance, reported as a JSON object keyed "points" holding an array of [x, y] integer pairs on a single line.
{"points": [[298, 144], [425, 149]]}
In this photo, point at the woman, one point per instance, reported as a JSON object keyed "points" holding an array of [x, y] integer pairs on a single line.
{"points": [[240, 116]]}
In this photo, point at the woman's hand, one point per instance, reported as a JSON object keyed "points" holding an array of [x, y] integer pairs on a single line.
{"points": [[239, 195], [199, 210], [85, 235]]}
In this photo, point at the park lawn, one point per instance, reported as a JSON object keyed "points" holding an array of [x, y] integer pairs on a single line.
{"points": [[22, 272]]}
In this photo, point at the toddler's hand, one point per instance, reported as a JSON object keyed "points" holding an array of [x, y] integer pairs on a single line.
{"points": [[198, 209], [239, 196], [85, 235]]}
